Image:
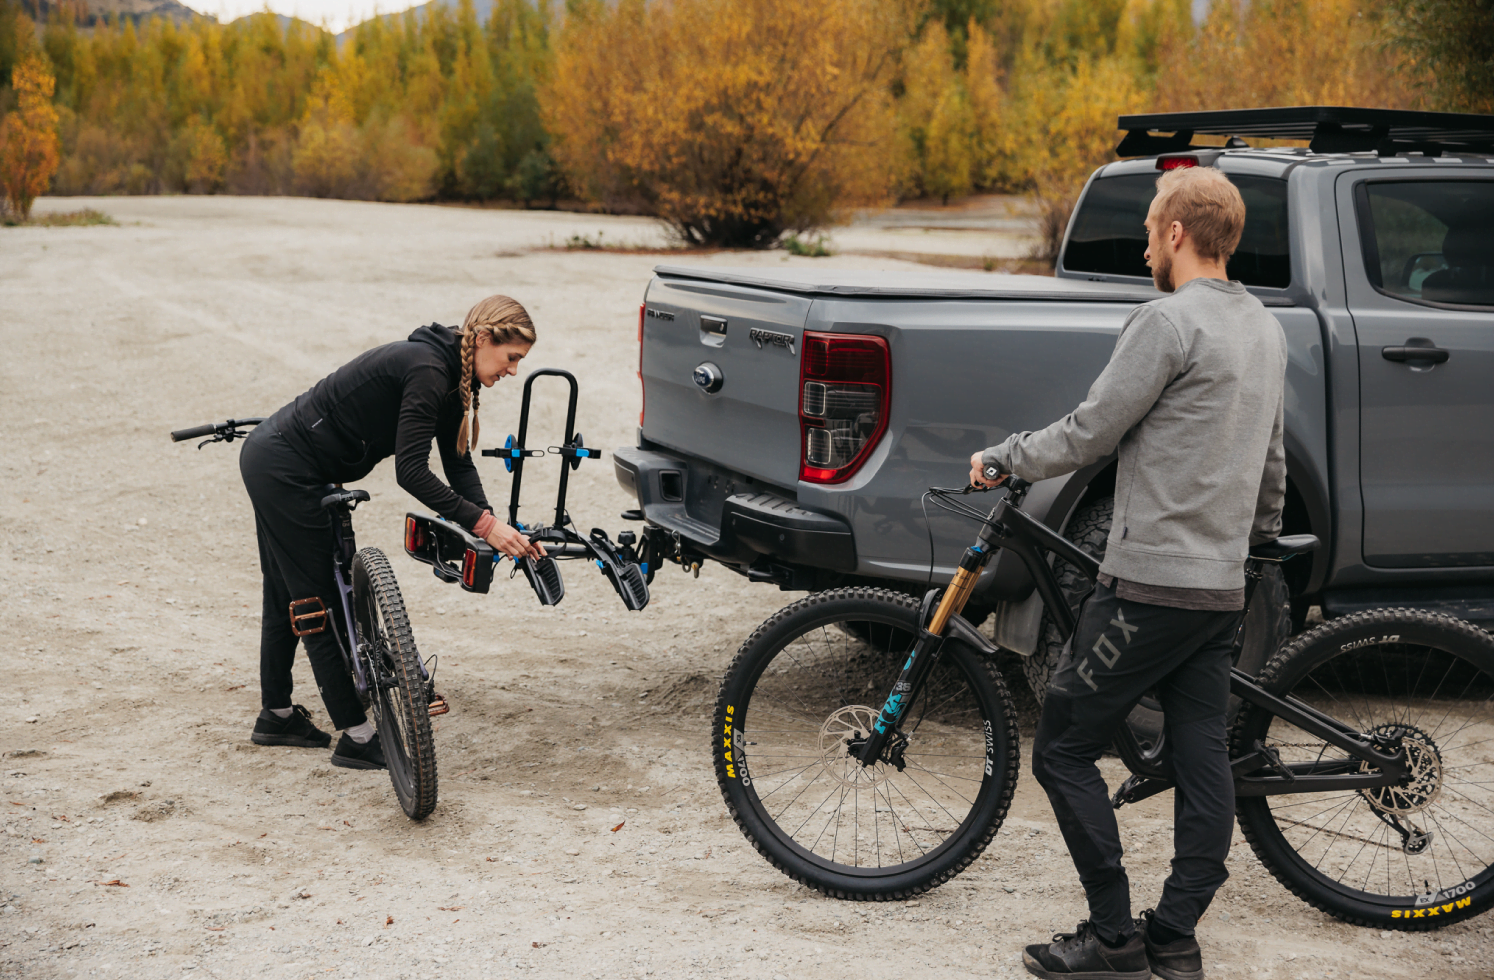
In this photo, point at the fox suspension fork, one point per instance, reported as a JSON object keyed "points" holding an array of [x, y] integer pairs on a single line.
{"points": [[884, 734]]}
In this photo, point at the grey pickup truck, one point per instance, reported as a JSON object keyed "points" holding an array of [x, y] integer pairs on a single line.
{"points": [[793, 419]]}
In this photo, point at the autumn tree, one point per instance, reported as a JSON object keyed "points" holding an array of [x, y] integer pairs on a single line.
{"points": [[28, 137], [733, 120], [1450, 43]]}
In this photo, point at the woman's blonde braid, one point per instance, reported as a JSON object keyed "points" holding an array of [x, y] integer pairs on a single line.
{"points": [[469, 397]]}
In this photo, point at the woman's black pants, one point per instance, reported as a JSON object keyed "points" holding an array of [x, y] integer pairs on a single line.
{"points": [[295, 555]]}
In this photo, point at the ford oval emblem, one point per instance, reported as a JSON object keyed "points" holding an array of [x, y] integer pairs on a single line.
{"points": [[708, 378]]}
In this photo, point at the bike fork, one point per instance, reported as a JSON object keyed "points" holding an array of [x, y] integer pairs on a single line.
{"points": [[920, 662]]}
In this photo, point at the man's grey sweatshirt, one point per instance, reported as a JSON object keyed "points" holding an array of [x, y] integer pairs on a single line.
{"points": [[1192, 399]]}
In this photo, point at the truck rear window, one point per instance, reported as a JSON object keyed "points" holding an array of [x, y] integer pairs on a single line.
{"points": [[1109, 233]]}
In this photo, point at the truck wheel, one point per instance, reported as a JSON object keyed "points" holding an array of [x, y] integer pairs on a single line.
{"points": [[1088, 529], [1267, 625]]}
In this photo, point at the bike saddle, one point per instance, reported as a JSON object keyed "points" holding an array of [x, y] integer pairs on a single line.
{"points": [[339, 498], [1284, 548]]}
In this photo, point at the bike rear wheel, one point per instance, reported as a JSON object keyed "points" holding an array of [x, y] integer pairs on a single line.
{"points": [[399, 702], [1414, 856], [813, 676]]}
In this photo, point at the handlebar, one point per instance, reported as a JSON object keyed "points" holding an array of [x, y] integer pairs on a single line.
{"points": [[216, 431], [196, 432]]}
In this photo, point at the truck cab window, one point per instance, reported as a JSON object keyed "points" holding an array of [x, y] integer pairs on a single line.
{"points": [[1109, 234], [1430, 240]]}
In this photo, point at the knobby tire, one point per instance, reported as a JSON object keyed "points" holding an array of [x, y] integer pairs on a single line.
{"points": [[1429, 677], [402, 712], [829, 660]]}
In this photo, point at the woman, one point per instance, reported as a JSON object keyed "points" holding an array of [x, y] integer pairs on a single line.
{"points": [[391, 400]]}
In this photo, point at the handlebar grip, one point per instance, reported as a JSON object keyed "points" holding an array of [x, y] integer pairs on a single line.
{"points": [[196, 432]]}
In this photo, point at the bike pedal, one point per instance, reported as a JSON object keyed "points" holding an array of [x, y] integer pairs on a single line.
{"points": [[318, 611], [438, 705]]}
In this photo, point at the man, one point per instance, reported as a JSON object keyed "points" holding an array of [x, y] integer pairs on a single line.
{"points": [[1192, 399]]}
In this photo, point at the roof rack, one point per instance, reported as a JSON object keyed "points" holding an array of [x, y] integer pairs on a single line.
{"points": [[1332, 129]]}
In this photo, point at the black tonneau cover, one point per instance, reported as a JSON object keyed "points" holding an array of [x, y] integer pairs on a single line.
{"points": [[934, 284]]}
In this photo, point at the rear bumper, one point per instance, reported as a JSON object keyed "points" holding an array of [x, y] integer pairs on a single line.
{"points": [[726, 517]]}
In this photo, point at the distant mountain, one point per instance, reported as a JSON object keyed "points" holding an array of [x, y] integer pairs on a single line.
{"points": [[93, 11], [483, 9]]}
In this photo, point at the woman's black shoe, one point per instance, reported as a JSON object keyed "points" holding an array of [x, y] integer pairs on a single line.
{"points": [[1080, 955], [353, 755], [294, 729], [1180, 959]]}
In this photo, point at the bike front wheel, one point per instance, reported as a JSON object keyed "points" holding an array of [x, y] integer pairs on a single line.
{"points": [[399, 700], [812, 679], [1410, 856]]}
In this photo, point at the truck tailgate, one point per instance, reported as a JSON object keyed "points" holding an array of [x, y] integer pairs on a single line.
{"points": [[748, 341]]}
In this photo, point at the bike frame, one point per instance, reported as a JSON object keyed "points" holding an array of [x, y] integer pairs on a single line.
{"points": [[344, 548], [1008, 526]]}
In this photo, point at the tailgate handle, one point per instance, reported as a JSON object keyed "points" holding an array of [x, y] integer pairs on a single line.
{"points": [[713, 325]]}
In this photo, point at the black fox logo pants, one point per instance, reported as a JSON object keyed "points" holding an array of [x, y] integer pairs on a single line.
{"points": [[1120, 651]]}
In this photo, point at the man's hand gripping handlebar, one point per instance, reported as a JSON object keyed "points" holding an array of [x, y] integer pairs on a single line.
{"points": [[985, 477]]}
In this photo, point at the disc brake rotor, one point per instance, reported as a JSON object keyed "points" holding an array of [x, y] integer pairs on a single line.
{"points": [[852, 721], [1423, 782]]}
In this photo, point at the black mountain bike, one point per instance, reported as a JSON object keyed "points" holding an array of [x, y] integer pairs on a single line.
{"points": [[373, 632], [866, 746]]}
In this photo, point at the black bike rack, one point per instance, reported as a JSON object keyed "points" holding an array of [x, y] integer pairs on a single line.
{"points": [[458, 556]]}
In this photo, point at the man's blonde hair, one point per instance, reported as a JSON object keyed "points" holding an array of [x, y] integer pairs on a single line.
{"points": [[505, 321], [1208, 207]]}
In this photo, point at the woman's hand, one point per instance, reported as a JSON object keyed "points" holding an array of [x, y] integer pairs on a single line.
{"points": [[513, 543]]}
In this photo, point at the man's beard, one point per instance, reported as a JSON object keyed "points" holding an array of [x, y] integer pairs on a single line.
{"points": [[1162, 270]]}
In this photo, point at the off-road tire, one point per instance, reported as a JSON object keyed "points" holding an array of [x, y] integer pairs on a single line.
{"points": [[1288, 671], [1268, 622], [1088, 529], [732, 753], [402, 712]]}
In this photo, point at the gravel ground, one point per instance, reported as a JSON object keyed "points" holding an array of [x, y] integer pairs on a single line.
{"points": [[579, 831]]}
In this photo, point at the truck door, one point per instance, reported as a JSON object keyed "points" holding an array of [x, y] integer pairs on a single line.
{"points": [[1423, 308]]}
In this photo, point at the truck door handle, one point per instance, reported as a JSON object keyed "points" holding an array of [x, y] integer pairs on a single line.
{"points": [[1435, 355]]}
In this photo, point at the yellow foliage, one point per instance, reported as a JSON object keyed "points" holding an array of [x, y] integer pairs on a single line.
{"points": [[733, 120], [28, 136], [1283, 52], [205, 158]]}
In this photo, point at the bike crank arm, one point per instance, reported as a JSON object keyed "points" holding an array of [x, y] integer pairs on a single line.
{"points": [[921, 658]]}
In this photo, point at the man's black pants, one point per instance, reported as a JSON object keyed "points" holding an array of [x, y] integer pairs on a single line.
{"points": [[1121, 650], [295, 555]]}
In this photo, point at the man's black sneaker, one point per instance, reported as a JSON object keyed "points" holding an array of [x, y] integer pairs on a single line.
{"points": [[1180, 959], [354, 755], [1080, 955], [294, 729]]}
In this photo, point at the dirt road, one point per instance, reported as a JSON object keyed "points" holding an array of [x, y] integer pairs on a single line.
{"points": [[579, 831]]}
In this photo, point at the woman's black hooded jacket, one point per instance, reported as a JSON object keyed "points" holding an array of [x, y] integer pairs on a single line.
{"points": [[391, 401]]}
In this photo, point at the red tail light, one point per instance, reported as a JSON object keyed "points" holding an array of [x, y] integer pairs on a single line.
{"points": [[641, 308], [469, 568], [845, 390], [414, 536], [1176, 163]]}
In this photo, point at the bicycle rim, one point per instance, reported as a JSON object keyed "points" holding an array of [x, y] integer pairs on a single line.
{"points": [[401, 713], [796, 696], [1416, 855]]}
